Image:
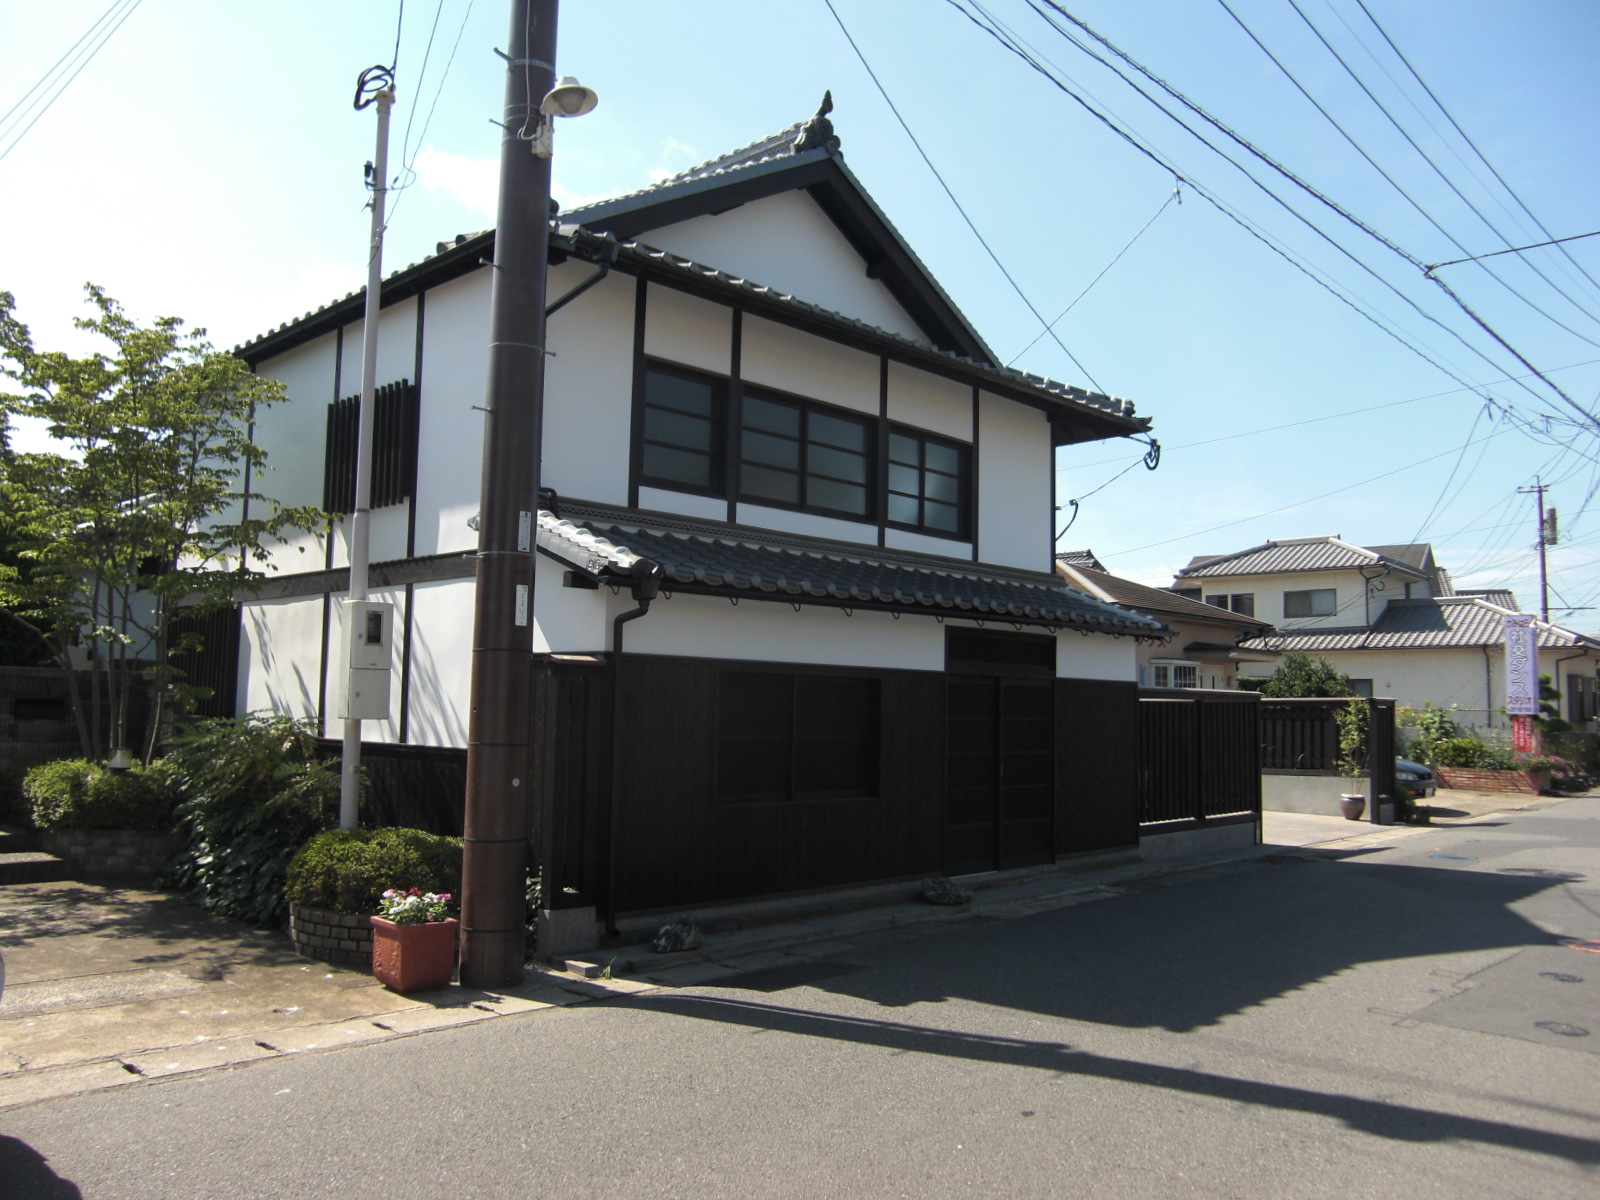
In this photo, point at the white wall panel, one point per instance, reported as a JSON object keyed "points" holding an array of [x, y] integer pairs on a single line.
{"points": [[293, 434], [1013, 484], [711, 508], [687, 330], [441, 663], [455, 332], [930, 402], [787, 242], [808, 524], [1097, 656], [922, 543], [708, 627], [280, 657], [805, 365], [589, 387], [567, 620]]}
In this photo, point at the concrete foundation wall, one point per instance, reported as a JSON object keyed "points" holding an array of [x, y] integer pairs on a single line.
{"points": [[1316, 794], [1196, 843]]}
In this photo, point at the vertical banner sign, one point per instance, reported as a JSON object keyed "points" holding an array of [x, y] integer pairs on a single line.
{"points": [[1522, 735], [1522, 666]]}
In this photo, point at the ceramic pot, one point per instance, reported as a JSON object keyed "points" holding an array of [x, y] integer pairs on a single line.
{"points": [[413, 958], [1352, 806]]}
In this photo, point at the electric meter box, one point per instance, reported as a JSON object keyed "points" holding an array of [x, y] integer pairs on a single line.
{"points": [[369, 644]]}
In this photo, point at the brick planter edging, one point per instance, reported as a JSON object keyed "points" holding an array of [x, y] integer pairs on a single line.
{"points": [[110, 853], [343, 939], [1478, 780]]}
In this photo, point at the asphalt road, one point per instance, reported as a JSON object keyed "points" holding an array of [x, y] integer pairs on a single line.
{"points": [[1416, 1021]]}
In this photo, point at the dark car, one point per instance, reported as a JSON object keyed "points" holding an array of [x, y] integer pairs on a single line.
{"points": [[1415, 777]]}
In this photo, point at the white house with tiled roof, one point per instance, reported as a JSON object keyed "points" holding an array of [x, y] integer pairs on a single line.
{"points": [[795, 605], [1389, 617]]}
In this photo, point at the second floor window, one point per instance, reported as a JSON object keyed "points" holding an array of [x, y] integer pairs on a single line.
{"points": [[927, 482], [1243, 603], [1315, 602], [798, 454], [684, 414]]}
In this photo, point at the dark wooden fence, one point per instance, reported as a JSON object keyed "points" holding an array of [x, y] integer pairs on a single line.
{"points": [[1199, 757], [1302, 736], [416, 787]]}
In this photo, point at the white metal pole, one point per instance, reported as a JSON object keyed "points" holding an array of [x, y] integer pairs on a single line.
{"points": [[361, 519]]}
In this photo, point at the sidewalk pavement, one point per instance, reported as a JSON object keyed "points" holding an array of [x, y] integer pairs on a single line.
{"points": [[107, 986]]}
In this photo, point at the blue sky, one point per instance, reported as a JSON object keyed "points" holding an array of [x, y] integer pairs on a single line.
{"points": [[207, 163]]}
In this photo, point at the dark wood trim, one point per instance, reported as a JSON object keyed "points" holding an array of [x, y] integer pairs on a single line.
{"points": [[322, 666], [977, 455], [405, 670], [636, 428], [415, 435], [883, 448], [429, 569], [734, 403], [338, 368]]}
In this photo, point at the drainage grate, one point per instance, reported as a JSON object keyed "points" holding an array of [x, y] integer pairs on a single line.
{"points": [[1455, 857], [1560, 976]]}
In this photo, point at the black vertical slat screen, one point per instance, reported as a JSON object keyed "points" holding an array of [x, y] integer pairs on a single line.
{"points": [[396, 418]]}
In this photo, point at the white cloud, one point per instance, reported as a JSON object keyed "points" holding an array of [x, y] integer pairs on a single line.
{"points": [[473, 182]]}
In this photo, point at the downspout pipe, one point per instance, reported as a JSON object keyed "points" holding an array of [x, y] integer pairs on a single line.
{"points": [[1488, 689], [645, 588]]}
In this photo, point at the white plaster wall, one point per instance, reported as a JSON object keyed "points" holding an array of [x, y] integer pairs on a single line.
{"points": [[1014, 463], [293, 434], [1350, 609], [808, 524], [929, 402], [706, 627], [280, 657], [589, 387], [388, 729], [441, 663], [455, 350], [922, 543], [565, 620], [711, 508], [1097, 656], [688, 330], [787, 242], [797, 362]]}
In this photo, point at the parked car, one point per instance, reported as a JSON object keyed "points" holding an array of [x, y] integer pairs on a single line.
{"points": [[1415, 777]]}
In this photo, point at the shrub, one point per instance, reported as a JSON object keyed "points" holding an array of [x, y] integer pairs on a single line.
{"points": [[1472, 752], [254, 791], [347, 870], [1301, 675], [74, 793]]}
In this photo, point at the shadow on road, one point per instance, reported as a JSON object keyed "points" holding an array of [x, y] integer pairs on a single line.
{"points": [[1402, 1122], [28, 1176]]}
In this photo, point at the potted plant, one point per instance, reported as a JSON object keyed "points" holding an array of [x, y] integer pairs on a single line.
{"points": [[1352, 720], [413, 940]]}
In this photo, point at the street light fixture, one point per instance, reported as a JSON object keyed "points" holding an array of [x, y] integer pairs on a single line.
{"points": [[568, 98]]}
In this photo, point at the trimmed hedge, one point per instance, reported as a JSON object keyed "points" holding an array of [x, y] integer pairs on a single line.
{"points": [[346, 870], [74, 793]]}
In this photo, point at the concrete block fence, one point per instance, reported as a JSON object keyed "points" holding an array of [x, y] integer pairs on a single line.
{"points": [[343, 939], [110, 853]]}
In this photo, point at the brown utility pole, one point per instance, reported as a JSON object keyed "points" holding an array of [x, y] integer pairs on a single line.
{"points": [[499, 737]]}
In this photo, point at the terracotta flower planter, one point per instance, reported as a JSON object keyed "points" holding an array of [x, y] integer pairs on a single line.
{"points": [[413, 958]]}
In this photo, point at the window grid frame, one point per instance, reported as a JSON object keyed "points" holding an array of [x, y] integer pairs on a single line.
{"points": [[716, 456]]}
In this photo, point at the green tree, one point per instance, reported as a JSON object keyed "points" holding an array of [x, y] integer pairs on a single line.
{"points": [[1301, 675], [148, 505]]}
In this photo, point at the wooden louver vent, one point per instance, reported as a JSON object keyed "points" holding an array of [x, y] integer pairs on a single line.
{"points": [[394, 448]]}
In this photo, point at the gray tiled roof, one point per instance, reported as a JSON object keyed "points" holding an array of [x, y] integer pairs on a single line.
{"points": [[1160, 603], [1080, 558], [1499, 597], [734, 561], [1444, 622], [1295, 554]]}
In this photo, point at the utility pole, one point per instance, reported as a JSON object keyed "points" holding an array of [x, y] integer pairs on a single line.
{"points": [[499, 737], [1546, 537], [376, 85]]}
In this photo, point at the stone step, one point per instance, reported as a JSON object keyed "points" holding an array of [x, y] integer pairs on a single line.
{"points": [[32, 866], [13, 839]]}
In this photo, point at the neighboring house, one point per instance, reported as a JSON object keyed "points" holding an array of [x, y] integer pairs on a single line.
{"points": [[1389, 617], [775, 447], [1204, 646]]}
